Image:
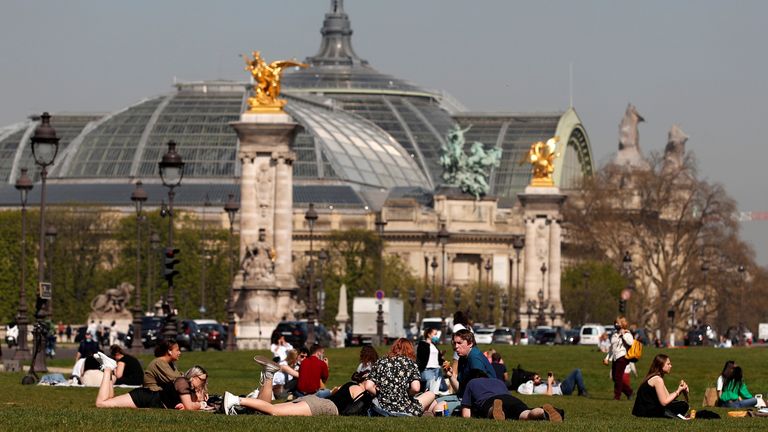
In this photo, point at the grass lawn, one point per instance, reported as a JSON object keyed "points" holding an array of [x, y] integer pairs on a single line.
{"points": [[41, 408]]}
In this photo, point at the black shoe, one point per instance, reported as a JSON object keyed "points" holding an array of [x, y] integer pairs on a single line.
{"points": [[584, 394]]}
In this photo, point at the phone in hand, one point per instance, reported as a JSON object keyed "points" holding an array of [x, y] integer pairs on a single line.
{"points": [[549, 374]]}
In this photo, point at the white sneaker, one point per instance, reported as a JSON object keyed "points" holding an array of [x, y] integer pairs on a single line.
{"points": [[270, 367], [230, 402], [105, 361]]}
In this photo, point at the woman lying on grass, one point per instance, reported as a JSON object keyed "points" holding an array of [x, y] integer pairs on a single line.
{"points": [[188, 392], [349, 399], [653, 399]]}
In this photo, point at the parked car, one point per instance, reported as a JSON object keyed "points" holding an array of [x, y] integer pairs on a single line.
{"points": [[524, 336], [295, 333], [484, 336], [217, 334], [590, 334], [191, 337], [573, 336], [504, 335], [538, 333], [151, 330], [552, 336]]}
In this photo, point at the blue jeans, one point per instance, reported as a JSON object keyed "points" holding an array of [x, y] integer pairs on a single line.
{"points": [[431, 377], [744, 403], [573, 380]]}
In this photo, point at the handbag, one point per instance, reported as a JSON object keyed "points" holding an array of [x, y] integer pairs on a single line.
{"points": [[710, 397], [635, 352], [359, 406]]}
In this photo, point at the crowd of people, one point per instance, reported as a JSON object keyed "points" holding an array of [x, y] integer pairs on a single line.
{"points": [[406, 381]]}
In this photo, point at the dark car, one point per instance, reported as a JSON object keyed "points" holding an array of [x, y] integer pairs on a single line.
{"points": [[295, 333], [573, 336], [217, 334], [503, 335], [191, 337], [151, 330], [555, 336], [700, 335]]}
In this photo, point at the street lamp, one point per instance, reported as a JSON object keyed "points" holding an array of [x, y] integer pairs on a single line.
{"points": [[154, 242], [626, 265], [504, 308], [380, 224], [457, 298], [138, 196], [50, 236], [542, 306], [45, 146], [412, 301], [442, 239], [742, 270], [322, 258], [434, 266], [518, 243], [552, 314], [488, 267], [529, 311], [478, 301], [171, 172], [585, 276], [23, 185], [204, 256], [311, 217], [231, 207]]}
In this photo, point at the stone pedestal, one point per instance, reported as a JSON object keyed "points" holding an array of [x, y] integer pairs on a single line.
{"points": [[265, 286], [542, 209]]}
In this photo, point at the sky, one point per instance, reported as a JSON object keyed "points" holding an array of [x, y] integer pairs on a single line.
{"points": [[697, 63]]}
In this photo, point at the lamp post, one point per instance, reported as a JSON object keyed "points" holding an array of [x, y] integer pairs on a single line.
{"points": [[518, 243], [552, 314], [504, 308], [442, 239], [138, 196], [542, 306], [154, 242], [412, 301], [456, 298], [434, 266], [171, 172], [50, 236], [626, 265], [478, 301], [705, 272], [529, 311], [322, 258], [488, 267], [742, 272], [311, 217], [585, 276], [45, 146], [231, 207], [23, 185], [203, 258], [380, 224]]}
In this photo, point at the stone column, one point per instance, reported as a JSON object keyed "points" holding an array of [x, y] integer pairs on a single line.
{"points": [[263, 290], [531, 284], [554, 266]]}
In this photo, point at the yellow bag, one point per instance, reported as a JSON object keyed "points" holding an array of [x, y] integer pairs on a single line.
{"points": [[635, 351], [710, 397]]}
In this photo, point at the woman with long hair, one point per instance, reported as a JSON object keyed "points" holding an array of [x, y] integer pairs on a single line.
{"points": [[368, 357], [621, 340], [724, 376], [394, 380], [189, 392], [735, 393], [653, 399]]}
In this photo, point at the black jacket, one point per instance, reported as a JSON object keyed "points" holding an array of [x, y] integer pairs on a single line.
{"points": [[422, 355]]}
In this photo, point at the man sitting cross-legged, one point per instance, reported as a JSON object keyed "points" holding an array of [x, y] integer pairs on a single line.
{"points": [[345, 401], [489, 398], [574, 381]]}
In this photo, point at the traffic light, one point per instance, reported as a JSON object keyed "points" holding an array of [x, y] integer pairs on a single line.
{"points": [[170, 260], [622, 306]]}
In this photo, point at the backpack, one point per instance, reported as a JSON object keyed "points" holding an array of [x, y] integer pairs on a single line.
{"points": [[635, 352], [519, 376]]}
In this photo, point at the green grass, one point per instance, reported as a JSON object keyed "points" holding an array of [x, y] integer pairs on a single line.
{"points": [[38, 408]]}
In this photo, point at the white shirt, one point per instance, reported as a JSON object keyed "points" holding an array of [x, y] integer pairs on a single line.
{"points": [[619, 345], [432, 363], [528, 388], [281, 350]]}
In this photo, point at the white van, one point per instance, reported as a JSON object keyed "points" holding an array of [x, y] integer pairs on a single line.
{"points": [[590, 334]]}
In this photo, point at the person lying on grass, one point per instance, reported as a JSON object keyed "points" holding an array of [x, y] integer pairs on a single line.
{"points": [[349, 399], [188, 392], [653, 398], [489, 398]]}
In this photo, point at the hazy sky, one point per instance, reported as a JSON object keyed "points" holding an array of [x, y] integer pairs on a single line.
{"points": [[700, 64]]}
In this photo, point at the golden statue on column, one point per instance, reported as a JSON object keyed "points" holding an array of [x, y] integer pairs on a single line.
{"points": [[542, 156], [266, 83]]}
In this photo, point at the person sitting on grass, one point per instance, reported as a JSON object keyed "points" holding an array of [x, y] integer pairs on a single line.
{"points": [[313, 373], [189, 392], [489, 398], [344, 401], [573, 381], [129, 370], [161, 371], [368, 357], [395, 381], [472, 362], [653, 399], [735, 393]]}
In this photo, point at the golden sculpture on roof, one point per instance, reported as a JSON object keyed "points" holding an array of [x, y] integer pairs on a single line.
{"points": [[266, 83], [542, 156]]}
